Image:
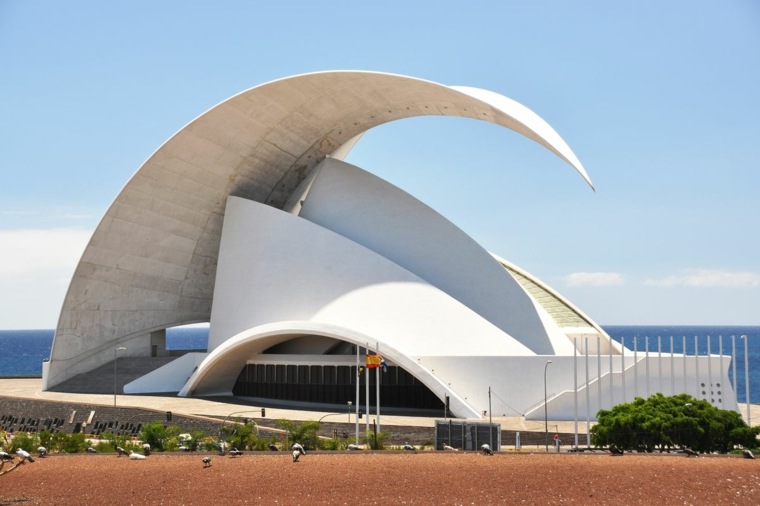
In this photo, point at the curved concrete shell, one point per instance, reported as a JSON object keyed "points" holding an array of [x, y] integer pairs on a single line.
{"points": [[151, 262], [248, 219]]}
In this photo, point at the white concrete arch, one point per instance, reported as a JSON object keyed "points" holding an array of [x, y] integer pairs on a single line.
{"points": [[151, 262], [217, 373]]}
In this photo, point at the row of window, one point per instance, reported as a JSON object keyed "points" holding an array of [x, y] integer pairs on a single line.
{"points": [[332, 385]]}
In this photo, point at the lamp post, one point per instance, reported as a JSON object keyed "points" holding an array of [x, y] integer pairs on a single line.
{"points": [[114, 372], [546, 410], [349, 411]]}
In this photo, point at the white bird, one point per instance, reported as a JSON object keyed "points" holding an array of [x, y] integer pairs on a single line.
{"points": [[353, 447], [486, 449], [5, 456], [450, 448], [136, 456], [90, 449], [409, 447], [24, 455], [234, 452], [296, 455], [121, 451], [41, 451], [298, 447], [206, 461], [146, 449], [748, 454], [273, 447]]}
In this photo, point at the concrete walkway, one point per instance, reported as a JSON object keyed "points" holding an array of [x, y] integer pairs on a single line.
{"points": [[30, 388]]}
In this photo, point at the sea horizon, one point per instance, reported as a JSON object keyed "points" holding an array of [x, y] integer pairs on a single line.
{"points": [[22, 352]]}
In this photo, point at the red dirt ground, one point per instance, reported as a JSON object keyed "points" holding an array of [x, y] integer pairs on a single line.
{"points": [[384, 478]]}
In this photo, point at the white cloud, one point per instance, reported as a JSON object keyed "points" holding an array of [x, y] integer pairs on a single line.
{"points": [[594, 279], [708, 278], [38, 251]]}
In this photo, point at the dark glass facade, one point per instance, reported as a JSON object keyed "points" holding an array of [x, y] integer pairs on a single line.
{"points": [[330, 384]]}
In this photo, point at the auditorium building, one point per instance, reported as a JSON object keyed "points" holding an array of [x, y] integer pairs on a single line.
{"points": [[302, 264]]}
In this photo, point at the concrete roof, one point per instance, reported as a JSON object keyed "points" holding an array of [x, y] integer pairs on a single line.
{"points": [[151, 262]]}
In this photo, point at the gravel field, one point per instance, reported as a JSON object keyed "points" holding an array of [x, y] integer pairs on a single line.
{"points": [[384, 478]]}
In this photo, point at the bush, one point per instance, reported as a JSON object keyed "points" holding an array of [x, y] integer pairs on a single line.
{"points": [[662, 423], [160, 438], [305, 433]]}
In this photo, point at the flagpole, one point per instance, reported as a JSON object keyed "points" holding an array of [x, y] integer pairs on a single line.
{"points": [[366, 392], [357, 394], [377, 387]]}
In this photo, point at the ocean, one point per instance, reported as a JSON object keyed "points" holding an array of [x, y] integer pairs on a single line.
{"points": [[23, 351]]}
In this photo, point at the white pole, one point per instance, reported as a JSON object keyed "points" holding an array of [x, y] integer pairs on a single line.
{"points": [[696, 362], [720, 392], [672, 370], [612, 383], [733, 367], [746, 378], [646, 369], [575, 386], [588, 401], [599, 371], [377, 387], [366, 393], [635, 366], [709, 370], [622, 367], [357, 394], [684, 365], [659, 362]]}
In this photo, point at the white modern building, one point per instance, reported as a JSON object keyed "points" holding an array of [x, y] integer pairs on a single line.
{"points": [[249, 219]]}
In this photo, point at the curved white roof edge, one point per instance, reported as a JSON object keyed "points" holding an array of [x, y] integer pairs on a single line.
{"points": [[206, 370], [538, 129], [151, 261]]}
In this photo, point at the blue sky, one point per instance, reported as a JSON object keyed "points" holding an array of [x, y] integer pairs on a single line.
{"points": [[659, 100]]}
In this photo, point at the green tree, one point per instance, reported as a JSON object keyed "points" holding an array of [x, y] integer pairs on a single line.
{"points": [[305, 433], [243, 436], [160, 438], [662, 423]]}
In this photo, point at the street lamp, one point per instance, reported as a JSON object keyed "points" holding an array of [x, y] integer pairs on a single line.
{"points": [[546, 410], [114, 373]]}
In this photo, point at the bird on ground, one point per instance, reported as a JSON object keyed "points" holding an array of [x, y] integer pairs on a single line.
{"points": [[409, 447], [24, 455], [615, 450], [121, 451], [90, 449], [41, 451], [450, 448], [748, 454], [273, 447], [206, 461], [486, 449], [296, 455], [352, 447], [6, 456], [234, 452], [136, 456], [299, 448], [689, 452], [146, 449]]}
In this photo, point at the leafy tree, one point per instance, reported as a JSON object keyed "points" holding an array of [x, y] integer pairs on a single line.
{"points": [[243, 437], [662, 423], [160, 438], [305, 433]]}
